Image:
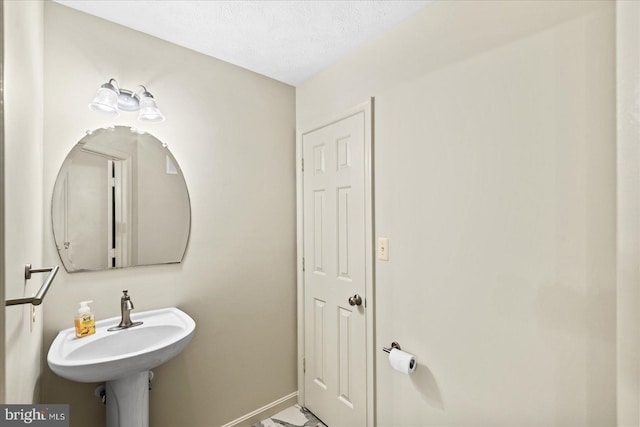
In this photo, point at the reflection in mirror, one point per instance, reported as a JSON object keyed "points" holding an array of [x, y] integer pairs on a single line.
{"points": [[120, 200]]}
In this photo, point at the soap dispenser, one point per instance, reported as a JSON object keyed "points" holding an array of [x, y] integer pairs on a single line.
{"points": [[85, 320]]}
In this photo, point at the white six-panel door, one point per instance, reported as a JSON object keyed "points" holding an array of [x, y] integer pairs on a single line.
{"points": [[334, 254]]}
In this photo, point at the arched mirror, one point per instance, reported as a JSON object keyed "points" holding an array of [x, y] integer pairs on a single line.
{"points": [[120, 200]]}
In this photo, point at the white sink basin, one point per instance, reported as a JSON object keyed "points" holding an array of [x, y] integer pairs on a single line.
{"points": [[108, 356]]}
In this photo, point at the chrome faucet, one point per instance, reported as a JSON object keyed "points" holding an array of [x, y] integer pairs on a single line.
{"points": [[126, 305]]}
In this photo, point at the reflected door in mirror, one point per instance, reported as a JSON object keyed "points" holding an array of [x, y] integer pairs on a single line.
{"points": [[120, 200]]}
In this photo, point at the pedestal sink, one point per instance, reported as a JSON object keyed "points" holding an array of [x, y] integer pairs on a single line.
{"points": [[122, 359]]}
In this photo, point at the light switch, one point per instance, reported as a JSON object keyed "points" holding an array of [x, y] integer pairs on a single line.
{"points": [[383, 248]]}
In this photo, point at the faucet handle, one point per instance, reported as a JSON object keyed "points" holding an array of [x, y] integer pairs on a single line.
{"points": [[126, 299]]}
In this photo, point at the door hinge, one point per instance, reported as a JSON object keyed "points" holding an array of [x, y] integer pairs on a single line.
{"points": [[304, 364], [302, 165], [112, 182], [302, 263]]}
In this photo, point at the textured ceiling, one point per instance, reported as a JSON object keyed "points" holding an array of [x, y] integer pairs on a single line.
{"points": [[289, 41]]}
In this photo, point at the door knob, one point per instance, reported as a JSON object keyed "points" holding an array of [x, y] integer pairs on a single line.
{"points": [[355, 300]]}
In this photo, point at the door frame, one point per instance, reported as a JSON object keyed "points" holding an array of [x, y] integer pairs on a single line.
{"points": [[119, 212], [367, 108]]}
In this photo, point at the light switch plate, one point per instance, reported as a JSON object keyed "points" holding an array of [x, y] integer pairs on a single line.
{"points": [[383, 249]]}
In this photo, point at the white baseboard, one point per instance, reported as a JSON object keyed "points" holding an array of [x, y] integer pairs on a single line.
{"points": [[265, 412]]}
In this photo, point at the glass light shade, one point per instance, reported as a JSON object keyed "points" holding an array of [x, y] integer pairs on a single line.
{"points": [[106, 101], [149, 111]]}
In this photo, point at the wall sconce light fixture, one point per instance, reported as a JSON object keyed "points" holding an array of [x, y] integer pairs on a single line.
{"points": [[111, 99]]}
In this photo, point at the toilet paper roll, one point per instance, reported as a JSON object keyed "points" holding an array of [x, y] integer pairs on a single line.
{"points": [[402, 361]]}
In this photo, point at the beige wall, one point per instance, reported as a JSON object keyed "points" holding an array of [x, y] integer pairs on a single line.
{"points": [[232, 132], [495, 184], [628, 292], [23, 67], [439, 34], [502, 222]]}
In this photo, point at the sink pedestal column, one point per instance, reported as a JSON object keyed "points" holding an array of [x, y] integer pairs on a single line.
{"points": [[128, 401]]}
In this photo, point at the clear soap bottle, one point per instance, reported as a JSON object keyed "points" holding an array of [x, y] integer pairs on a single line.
{"points": [[85, 320]]}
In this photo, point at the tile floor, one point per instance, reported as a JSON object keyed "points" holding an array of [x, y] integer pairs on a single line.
{"points": [[294, 416]]}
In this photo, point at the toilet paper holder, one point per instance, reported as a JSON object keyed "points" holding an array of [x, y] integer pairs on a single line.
{"points": [[393, 345]]}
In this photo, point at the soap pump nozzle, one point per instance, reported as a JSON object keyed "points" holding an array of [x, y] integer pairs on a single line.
{"points": [[84, 307]]}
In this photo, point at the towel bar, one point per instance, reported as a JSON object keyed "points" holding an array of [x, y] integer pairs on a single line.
{"points": [[37, 299]]}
